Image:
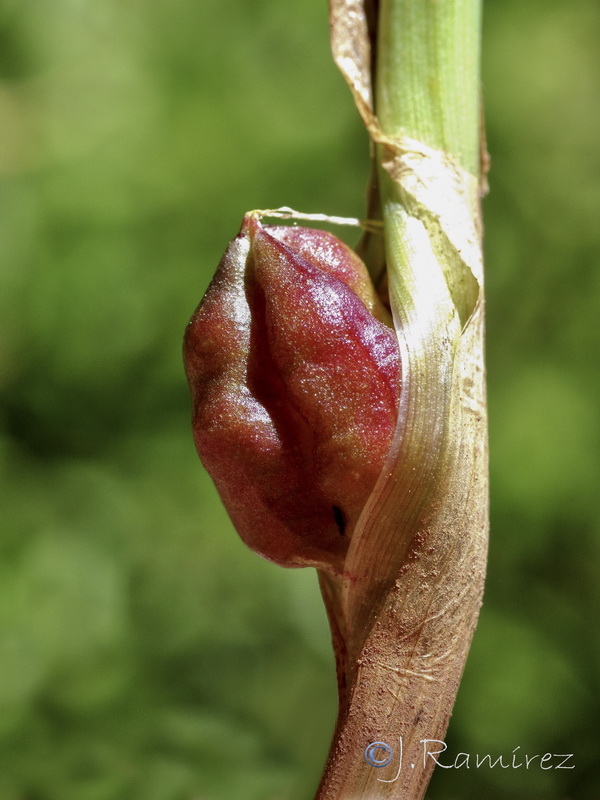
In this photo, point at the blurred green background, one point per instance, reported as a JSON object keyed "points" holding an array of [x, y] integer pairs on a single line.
{"points": [[145, 654]]}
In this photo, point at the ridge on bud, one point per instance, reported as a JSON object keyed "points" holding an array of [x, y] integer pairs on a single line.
{"points": [[294, 372]]}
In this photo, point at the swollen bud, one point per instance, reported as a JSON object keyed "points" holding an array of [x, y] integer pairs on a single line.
{"points": [[294, 372]]}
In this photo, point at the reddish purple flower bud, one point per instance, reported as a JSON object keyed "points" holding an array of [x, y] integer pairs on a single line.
{"points": [[295, 381]]}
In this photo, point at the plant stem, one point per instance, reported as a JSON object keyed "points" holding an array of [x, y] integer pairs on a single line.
{"points": [[408, 604], [428, 74]]}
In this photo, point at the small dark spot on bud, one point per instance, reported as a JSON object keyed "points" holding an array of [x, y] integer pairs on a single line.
{"points": [[338, 516]]}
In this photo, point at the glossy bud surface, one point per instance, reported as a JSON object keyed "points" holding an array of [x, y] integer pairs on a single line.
{"points": [[294, 372]]}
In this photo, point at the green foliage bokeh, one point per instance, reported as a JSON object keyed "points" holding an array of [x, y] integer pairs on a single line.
{"points": [[145, 653]]}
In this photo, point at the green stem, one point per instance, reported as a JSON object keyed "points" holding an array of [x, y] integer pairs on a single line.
{"points": [[427, 90], [428, 55]]}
